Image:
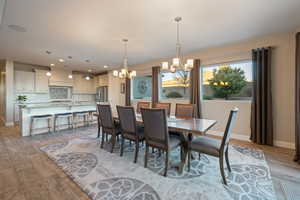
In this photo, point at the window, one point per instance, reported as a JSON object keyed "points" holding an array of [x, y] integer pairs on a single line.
{"points": [[230, 81], [175, 85], [142, 87]]}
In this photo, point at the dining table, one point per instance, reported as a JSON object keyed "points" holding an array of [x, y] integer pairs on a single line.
{"points": [[189, 127]]}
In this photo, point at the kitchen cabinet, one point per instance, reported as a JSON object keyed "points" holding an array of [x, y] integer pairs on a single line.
{"points": [[83, 86], [102, 80], [24, 81], [41, 81]]}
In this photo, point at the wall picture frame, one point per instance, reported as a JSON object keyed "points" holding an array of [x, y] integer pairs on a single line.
{"points": [[122, 88]]}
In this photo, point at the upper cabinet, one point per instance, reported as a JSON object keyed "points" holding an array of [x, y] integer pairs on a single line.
{"points": [[41, 81], [24, 81], [60, 78], [102, 80], [83, 86]]}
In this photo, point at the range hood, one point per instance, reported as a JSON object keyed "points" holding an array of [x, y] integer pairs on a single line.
{"points": [[60, 77]]}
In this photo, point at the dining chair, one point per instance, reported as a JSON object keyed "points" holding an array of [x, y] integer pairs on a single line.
{"points": [[215, 147], [109, 126], [185, 111], [166, 106], [142, 104], [129, 129], [157, 134]]}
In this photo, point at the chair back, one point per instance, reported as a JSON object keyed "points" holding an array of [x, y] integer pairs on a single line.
{"points": [[166, 106], [127, 119], [142, 104], [184, 110], [105, 116], [155, 124], [229, 126]]}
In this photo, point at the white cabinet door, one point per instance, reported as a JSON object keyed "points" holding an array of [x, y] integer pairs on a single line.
{"points": [[24, 81], [41, 82]]}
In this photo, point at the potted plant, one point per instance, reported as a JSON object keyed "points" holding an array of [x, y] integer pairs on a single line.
{"points": [[22, 98]]}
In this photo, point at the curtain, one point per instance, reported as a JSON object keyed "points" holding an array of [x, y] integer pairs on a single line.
{"points": [[155, 85], [195, 88], [127, 92], [297, 99], [261, 108]]}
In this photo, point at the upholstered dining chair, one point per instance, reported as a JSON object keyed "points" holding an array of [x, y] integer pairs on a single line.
{"points": [[215, 147], [157, 134], [166, 106], [109, 126], [129, 129], [185, 111], [142, 104]]}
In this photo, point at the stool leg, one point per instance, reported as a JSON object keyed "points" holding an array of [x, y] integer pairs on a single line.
{"points": [[54, 124], [31, 125], [49, 127]]}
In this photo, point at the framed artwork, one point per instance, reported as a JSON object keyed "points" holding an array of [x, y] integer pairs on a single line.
{"points": [[122, 88]]}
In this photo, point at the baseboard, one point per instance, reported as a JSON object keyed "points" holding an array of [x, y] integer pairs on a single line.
{"points": [[234, 136], [277, 143], [9, 124], [288, 145]]}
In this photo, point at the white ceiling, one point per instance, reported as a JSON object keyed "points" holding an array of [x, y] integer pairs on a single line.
{"points": [[93, 29]]}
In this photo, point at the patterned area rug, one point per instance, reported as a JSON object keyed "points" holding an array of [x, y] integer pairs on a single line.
{"points": [[106, 176]]}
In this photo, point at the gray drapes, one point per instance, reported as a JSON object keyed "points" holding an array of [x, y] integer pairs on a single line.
{"points": [[155, 85], [297, 99], [261, 109], [195, 88], [127, 92]]}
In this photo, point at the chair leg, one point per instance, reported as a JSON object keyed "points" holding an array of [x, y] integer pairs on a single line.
{"points": [[122, 146], [227, 160], [146, 156], [113, 142], [221, 161], [136, 151], [167, 163], [159, 153], [189, 160], [199, 156], [49, 125], [102, 139], [98, 131]]}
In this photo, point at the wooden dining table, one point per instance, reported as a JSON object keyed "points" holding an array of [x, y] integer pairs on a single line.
{"points": [[188, 127]]}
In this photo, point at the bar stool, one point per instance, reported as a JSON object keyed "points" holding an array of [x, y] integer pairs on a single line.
{"points": [[34, 118], [68, 116], [81, 114], [91, 116]]}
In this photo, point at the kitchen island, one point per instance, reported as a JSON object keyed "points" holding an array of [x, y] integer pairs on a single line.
{"points": [[41, 126]]}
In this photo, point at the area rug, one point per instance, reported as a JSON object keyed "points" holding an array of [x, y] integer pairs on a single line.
{"points": [[106, 176]]}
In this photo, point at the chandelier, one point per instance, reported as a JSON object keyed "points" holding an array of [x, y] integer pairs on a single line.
{"points": [[124, 73], [178, 61]]}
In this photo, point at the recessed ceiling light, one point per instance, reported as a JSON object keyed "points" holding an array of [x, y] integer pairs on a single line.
{"points": [[61, 60], [89, 70], [17, 28], [70, 57], [48, 52], [48, 74], [105, 66], [70, 76], [52, 65]]}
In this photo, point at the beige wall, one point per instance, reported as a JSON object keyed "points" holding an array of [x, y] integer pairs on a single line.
{"points": [[282, 79], [2, 91], [114, 91]]}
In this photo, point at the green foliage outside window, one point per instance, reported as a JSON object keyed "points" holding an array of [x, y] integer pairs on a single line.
{"points": [[227, 81]]}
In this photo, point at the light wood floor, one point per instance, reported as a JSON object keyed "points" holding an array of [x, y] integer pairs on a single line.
{"points": [[26, 173]]}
